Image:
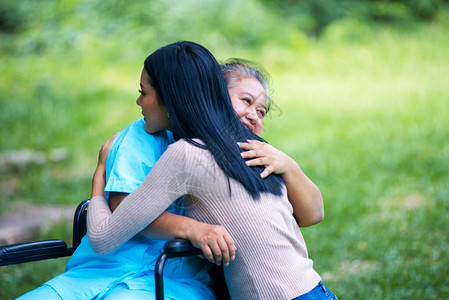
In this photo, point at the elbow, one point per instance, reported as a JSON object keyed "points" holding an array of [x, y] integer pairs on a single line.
{"points": [[319, 216], [311, 220], [99, 246], [313, 217]]}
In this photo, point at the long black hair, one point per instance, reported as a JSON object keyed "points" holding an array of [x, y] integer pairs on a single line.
{"points": [[189, 82]]}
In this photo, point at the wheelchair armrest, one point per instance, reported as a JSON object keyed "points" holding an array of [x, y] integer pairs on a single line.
{"points": [[33, 251], [180, 247]]}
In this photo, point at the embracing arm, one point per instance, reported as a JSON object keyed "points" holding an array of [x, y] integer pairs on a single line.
{"points": [[108, 230], [165, 183], [99, 178], [303, 194], [214, 240]]}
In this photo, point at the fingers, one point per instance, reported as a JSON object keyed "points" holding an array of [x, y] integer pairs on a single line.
{"points": [[218, 246], [225, 252], [267, 171], [251, 144], [104, 150], [254, 149], [220, 250], [269, 164], [207, 252], [269, 167], [107, 145], [230, 242], [262, 154], [252, 153], [260, 161]]}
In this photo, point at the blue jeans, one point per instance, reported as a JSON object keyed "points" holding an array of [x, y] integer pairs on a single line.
{"points": [[319, 292]]}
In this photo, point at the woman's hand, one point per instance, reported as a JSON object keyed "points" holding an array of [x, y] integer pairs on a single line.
{"points": [[99, 178], [104, 150], [263, 154], [303, 194], [214, 240]]}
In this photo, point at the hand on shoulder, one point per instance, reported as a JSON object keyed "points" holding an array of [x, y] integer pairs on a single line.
{"points": [[99, 177], [262, 154]]}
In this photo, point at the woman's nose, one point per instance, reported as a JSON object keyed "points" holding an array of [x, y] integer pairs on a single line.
{"points": [[138, 101], [252, 116]]}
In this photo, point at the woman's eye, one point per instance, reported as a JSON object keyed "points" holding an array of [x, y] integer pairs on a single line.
{"points": [[261, 113], [141, 92], [247, 100]]}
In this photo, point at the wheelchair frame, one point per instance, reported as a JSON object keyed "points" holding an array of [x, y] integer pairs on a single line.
{"points": [[54, 248]]}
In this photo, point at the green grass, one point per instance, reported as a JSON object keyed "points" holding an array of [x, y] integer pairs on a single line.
{"points": [[361, 109], [366, 121]]}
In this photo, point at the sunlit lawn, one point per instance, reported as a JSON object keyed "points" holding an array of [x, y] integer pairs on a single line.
{"points": [[362, 111], [368, 123]]}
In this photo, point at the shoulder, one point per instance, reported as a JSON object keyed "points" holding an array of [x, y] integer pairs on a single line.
{"points": [[134, 139], [133, 154], [193, 146], [186, 150], [134, 148], [180, 146]]}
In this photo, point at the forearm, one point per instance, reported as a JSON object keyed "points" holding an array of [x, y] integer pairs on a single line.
{"points": [[99, 178], [304, 196], [107, 231], [169, 225], [166, 226], [98, 217], [98, 181], [214, 240]]}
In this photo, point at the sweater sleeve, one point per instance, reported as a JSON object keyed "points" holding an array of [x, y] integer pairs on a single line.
{"points": [[165, 183]]}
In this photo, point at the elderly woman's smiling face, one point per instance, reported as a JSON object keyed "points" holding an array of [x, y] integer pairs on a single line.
{"points": [[249, 100]]}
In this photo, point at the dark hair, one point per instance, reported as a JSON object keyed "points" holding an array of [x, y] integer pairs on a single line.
{"points": [[234, 69], [189, 82]]}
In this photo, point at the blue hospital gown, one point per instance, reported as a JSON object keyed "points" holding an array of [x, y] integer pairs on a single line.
{"points": [[90, 276]]}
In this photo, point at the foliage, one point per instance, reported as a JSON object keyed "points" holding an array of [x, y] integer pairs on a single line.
{"points": [[313, 16]]}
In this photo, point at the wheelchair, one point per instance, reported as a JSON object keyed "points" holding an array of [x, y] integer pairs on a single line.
{"points": [[47, 249]]}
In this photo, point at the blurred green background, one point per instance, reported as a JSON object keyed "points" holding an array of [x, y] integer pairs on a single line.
{"points": [[361, 93]]}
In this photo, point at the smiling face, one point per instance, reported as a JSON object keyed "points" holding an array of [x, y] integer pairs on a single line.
{"points": [[155, 115], [249, 100]]}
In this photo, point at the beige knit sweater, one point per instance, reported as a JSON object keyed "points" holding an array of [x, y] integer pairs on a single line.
{"points": [[271, 260]]}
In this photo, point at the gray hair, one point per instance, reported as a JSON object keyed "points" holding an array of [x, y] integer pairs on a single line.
{"points": [[234, 69]]}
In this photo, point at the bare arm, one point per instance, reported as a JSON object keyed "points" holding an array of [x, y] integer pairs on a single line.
{"points": [[99, 178], [303, 194]]}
